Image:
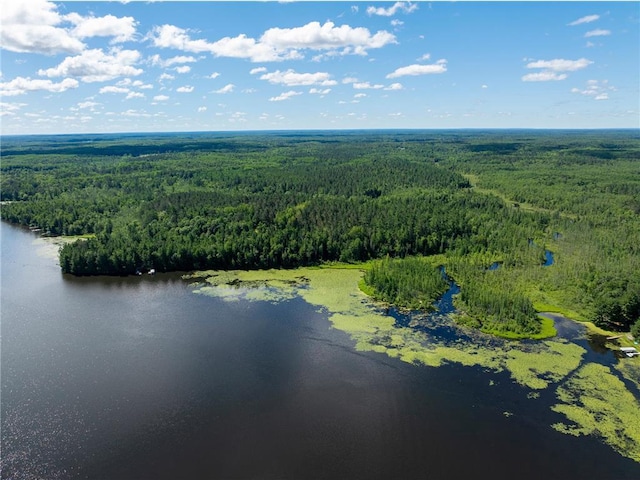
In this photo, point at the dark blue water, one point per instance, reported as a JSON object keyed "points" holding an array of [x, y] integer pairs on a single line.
{"points": [[139, 378]]}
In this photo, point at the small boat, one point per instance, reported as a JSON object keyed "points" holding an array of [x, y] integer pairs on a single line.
{"points": [[629, 351]]}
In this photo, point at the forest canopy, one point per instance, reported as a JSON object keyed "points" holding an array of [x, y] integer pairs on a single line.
{"points": [[263, 200]]}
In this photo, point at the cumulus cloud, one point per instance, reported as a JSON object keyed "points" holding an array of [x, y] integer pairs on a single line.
{"points": [[32, 27], [406, 7], [256, 70], [328, 36], [170, 36], [202, 109], [394, 86], [551, 69], [127, 82], [366, 85], [561, 65], [418, 69], [166, 76], [114, 89], [37, 26], [319, 91], [22, 85], [276, 44], [88, 104], [285, 96], [96, 66], [585, 19], [160, 98], [185, 89], [598, 90], [121, 29], [545, 76], [131, 95], [169, 62], [8, 109], [214, 75], [226, 89], [183, 69], [597, 33], [292, 78]]}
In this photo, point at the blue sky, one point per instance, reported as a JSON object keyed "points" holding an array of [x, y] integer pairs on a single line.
{"points": [[73, 67]]}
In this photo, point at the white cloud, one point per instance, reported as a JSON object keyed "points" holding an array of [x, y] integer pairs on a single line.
{"points": [[484, 86], [545, 76], [285, 96], [318, 91], [180, 59], [561, 65], [597, 33], [121, 28], [131, 95], [598, 90], [88, 104], [21, 85], [348, 80], [10, 108], [114, 89], [360, 95], [586, 19], [185, 89], [226, 89], [551, 69], [366, 85], [160, 98], [291, 78], [96, 66], [417, 69], [253, 71], [214, 75], [127, 82], [424, 57], [396, 23], [170, 36], [202, 109], [394, 86], [277, 44], [183, 69], [36, 26], [406, 7], [327, 37], [166, 76], [31, 27]]}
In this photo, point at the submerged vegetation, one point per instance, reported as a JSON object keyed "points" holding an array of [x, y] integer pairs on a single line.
{"points": [[476, 199]]}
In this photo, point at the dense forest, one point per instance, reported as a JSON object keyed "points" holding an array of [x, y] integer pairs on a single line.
{"points": [[262, 200]]}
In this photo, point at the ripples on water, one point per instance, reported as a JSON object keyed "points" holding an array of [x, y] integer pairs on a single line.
{"points": [[138, 378]]}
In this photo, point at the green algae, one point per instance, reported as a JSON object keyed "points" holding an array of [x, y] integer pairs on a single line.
{"points": [[591, 397], [336, 291], [598, 403], [544, 363]]}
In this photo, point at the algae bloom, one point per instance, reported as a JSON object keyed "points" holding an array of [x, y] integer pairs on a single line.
{"points": [[591, 396]]}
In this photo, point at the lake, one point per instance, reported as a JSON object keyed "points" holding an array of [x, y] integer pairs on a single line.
{"points": [[139, 378]]}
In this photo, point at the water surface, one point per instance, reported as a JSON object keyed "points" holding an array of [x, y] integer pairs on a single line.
{"points": [[138, 378]]}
